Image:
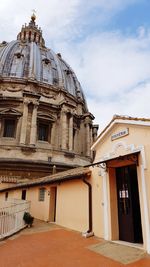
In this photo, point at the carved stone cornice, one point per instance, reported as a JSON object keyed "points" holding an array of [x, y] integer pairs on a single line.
{"points": [[28, 149], [45, 116], [10, 112]]}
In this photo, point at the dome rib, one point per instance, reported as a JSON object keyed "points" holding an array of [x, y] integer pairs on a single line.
{"points": [[59, 70], [5, 57]]}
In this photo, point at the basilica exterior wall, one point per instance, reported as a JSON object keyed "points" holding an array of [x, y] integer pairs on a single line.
{"points": [[42, 130]]}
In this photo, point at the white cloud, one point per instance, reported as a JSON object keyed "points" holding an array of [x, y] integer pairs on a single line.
{"points": [[115, 74], [52, 15], [135, 104], [59, 19], [110, 63], [112, 68]]}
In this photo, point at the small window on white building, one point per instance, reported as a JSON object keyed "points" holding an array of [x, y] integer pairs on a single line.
{"points": [[41, 194]]}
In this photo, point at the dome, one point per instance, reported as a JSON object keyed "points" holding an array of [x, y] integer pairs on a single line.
{"points": [[27, 58], [44, 120]]}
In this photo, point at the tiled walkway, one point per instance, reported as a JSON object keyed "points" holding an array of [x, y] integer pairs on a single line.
{"points": [[52, 246]]}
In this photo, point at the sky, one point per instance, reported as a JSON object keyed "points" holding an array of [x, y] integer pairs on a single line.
{"points": [[106, 42]]}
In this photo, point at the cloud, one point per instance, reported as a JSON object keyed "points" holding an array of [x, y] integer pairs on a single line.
{"points": [[113, 68], [54, 16], [135, 104], [65, 19], [110, 63], [114, 72]]}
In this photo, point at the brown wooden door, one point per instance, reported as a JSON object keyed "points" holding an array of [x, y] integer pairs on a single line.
{"points": [[128, 204]]}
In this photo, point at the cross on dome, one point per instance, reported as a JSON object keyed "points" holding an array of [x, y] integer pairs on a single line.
{"points": [[33, 17]]}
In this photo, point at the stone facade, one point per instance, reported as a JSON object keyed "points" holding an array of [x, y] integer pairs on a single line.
{"points": [[44, 120]]}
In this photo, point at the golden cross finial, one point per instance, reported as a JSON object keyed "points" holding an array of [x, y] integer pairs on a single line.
{"points": [[33, 17], [34, 11]]}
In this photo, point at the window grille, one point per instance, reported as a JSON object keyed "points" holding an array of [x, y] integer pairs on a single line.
{"points": [[41, 194]]}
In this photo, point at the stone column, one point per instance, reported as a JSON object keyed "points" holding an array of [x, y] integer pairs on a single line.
{"points": [[0, 125], [75, 144], [91, 139], [33, 132], [27, 35], [32, 37], [88, 143], [22, 36], [24, 123], [37, 38], [53, 134], [71, 133], [64, 130]]}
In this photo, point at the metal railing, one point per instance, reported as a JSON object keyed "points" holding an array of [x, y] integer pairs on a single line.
{"points": [[11, 216]]}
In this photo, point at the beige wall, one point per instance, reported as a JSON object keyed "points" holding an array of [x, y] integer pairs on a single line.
{"points": [[97, 202], [138, 136], [72, 205], [138, 139], [38, 209], [11, 195]]}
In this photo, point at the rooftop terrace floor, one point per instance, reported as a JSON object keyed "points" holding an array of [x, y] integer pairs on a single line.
{"points": [[48, 245]]}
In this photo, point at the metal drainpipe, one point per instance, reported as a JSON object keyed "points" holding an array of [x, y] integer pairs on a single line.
{"points": [[90, 205]]}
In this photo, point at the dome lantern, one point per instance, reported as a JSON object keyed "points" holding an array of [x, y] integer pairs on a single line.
{"points": [[31, 32]]}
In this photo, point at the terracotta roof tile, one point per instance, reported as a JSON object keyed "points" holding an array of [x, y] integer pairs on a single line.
{"points": [[75, 173]]}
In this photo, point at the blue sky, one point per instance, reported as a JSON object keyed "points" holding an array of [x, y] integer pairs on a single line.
{"points": [[107, 43], [127, 19], [132, 17]]}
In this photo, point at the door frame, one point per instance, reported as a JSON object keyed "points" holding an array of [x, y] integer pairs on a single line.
{"points": [[53, 203], [109, 234], [129, 222]]}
